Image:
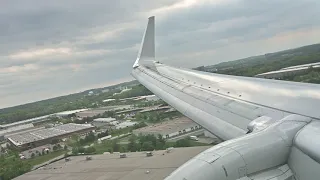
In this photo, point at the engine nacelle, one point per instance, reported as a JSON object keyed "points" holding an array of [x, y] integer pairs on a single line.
{"points": [[252, 153]]}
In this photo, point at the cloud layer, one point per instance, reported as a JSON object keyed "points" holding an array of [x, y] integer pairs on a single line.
{"points": [[54, 48]]}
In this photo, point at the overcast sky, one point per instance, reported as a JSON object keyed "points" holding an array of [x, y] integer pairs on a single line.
{"points": [[53, 48]]}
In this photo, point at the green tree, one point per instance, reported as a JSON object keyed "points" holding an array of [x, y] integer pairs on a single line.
{"points": [[90, 150], [160, 142], [133, 145], [123, 149], [109, 114], [33, 155], [139, 116], [82, 142], [115, 146], [75, 137], [90, 137], [147, 146], [44, 152], [75, 150], [59, 146], [183, 143], [81, 150], [12, 166]]}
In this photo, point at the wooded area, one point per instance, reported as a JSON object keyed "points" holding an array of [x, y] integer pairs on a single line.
{"points": [[65, 103], [270, 62], [242, 67]]}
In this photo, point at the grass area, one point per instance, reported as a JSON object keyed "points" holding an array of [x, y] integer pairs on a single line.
{"points": [[107, 146], [196, 143], [192, 143], [41, 159]]}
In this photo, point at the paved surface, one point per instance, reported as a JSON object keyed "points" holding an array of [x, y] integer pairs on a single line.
{"points": [[171, 127], [182, 136], [47, 162], [110, 167]]}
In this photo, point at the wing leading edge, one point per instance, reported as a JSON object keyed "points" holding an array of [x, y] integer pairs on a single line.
{"points": [[224, 105], [282, 116]]}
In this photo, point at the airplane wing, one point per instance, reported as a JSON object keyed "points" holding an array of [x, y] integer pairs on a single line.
{"points": [[252, 110]]}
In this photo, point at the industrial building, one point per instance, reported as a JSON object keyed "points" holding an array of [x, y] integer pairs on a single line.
{"points": [[32, 139], [100, 122], [39, 119], [28, 121], [112, 123], [288, 71], [89, 113], [135, 166], [169, 128], [14, 129]]}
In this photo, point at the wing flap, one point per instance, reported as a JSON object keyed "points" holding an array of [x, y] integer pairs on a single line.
{"points": [[222, 116]]}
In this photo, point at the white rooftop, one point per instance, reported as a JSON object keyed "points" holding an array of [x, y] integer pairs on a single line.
{"points": [[16, 128], [37, 119], [108, 100], [27, 137], [104, 119], [292, 69], [303, 65], [125, 124]]}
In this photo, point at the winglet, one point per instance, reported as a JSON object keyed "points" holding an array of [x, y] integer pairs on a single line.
{"points": [[147, 49]]}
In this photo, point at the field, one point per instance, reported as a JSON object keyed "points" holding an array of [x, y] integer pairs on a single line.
{"points": [[41, 159]]}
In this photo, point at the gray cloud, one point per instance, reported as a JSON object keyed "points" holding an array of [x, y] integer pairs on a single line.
{"points": [[60, 47]]}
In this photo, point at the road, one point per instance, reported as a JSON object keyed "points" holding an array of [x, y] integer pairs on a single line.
{"points": [[193, 133]]}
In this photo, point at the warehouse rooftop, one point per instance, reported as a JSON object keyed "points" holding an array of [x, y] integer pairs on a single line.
{"points": [[32, 136], [136, 166]]}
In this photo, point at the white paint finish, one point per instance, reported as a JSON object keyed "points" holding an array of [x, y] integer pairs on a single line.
{"points": [[233, 107], [244, 178], [184, 103], [225, 105], [221, 107], [299, 98], [280, 173], [270, 146], [260, 123], [250, 154], [308, 140], [147, 50], [303, 167], [208, 166]]}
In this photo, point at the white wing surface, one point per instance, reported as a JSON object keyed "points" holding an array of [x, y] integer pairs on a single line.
{"points": [[271, 127], [223, 104]]}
